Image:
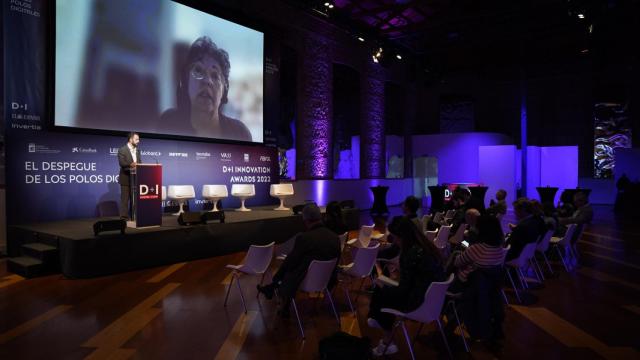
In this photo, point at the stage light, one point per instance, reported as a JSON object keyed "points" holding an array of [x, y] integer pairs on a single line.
{"points": [[580, 16], [377, 55], [399, 57], [326, 4], [330, 6], [584, 51], [361, 38]]}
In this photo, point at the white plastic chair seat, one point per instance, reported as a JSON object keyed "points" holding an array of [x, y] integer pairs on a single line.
{"points": [[364, 237], [214, 193], [243, 192], [256, 262], [182, 194], [281, 191]]}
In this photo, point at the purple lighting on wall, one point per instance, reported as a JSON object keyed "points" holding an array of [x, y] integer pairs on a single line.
{"points": [[314, 129], [372, 159]]}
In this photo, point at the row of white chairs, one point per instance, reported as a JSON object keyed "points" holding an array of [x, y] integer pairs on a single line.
{"points": [[183, 193]]}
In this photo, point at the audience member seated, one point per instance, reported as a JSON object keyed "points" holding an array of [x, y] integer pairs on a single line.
{"points": [[461, 200], [410, 210], [420, 265], [471, 218], [526, 231], [333, 219], [478, 280], [485, 253], [583, 213], [317, 243], [499, 206]]}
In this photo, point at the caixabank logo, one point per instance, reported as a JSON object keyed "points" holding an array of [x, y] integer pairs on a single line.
{"points": [[83, 150]]}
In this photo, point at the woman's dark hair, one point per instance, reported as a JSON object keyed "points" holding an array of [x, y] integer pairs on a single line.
{"points": [[334, 210], [201, 48], [410, 236], [412, 204], [490, 231]]}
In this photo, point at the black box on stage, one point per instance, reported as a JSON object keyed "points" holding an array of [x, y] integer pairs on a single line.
{"points": [[109, 225], [190, 218], [212, 216]]}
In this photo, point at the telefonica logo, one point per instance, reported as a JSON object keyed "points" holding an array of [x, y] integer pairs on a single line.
{"points": [[82, 150], [151, 153], [178, 154]]}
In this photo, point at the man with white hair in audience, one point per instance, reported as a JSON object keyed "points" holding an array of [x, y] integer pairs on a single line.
{"points": [[317, 243]]}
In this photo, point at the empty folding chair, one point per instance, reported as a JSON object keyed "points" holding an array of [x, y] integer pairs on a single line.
{"points": [[429, 311], [458, 237], [565, 243], [364, 237], [541, 248], [360, 268], [316, 281], [425, 222], [524, 262], [256, 262], [442, 239]]}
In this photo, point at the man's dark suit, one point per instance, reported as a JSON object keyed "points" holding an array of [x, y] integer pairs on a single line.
{"points": [[124, 179], [527, 231], [319, 243]]}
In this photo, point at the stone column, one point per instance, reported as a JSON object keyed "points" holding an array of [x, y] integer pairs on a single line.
{"points": [[372, 136], [315, 110]]}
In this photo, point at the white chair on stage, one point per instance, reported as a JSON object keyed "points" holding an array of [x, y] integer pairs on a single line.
{"points": [[281, 191], [163, 197], [181, 194], [243, 192], [214, 193]]}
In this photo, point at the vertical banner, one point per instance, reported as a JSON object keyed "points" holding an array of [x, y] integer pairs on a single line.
{"points": [[612, 129]]}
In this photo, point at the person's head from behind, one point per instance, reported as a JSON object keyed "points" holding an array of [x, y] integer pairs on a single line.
{"points": [[334, 211], [490, 231], [580, 199], [460, 197], [311, 215], [133, 138], [410, 205], [501, 195], [405, 232], [537, 207], [523, 208], [204, 79], [471, 217]]}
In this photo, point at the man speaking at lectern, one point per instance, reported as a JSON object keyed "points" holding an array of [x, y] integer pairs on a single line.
{"points": [[128, 157]]}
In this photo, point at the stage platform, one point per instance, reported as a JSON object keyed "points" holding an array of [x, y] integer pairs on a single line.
{"points": [[84, 255]]}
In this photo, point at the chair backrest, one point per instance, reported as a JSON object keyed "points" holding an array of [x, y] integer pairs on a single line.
{"points": [[442, 239], [243, 190], [566, 239], [450, 214], [459, 235], [343, 240], [259, 257], [181, 192], [364, 260], [281, 189], [527, 253], [318, 275], [505, 251], [431, 308], [364, 235], [214, 191], [438, 217], [543, 244], [425, 222]]}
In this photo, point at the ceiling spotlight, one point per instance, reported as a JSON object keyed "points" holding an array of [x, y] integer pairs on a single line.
{"points": [[361, 38], [377, 55], [580, 16], [375, 59], [399, 57], [330, 6], [327, 4], [584, 51]]}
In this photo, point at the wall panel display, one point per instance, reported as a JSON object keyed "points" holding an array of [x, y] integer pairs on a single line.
{"points": [[612, 130]]}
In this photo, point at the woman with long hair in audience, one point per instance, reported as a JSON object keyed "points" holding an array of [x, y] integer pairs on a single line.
{"points": [[420, 265], [333, 218]]}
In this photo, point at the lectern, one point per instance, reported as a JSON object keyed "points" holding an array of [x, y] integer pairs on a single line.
{"points": [[146, 195]]}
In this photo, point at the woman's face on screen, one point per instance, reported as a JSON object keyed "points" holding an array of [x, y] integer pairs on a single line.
{"points": [[206, 85]]}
